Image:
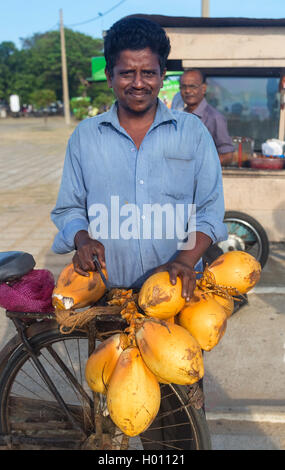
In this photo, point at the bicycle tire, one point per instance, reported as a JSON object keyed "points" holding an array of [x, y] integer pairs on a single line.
{"points": [[56, 431], [246, 234]]}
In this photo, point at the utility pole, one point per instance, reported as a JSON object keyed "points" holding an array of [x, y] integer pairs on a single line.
{"points": [[205, 8], [64, 73]]}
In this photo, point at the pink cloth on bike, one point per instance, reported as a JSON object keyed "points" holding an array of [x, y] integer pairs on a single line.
{"points": [[32, 293]]}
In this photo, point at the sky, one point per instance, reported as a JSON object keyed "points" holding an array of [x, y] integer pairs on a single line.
{"points": [[20, 19]]}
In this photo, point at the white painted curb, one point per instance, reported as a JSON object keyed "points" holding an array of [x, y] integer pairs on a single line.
{"points": [[267, 290], [251, 413]]}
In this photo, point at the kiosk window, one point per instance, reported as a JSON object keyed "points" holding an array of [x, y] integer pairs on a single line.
{"points": [[250, 104]]}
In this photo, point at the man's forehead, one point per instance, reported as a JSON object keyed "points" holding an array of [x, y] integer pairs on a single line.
{"points": [[140, 56], [192, 76]]}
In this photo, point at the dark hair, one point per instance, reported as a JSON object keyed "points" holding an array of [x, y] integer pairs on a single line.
{"points": [[202, 74], [135, 34]]}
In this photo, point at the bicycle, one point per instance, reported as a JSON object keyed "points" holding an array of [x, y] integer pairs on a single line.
{"points": [[45, 402]]}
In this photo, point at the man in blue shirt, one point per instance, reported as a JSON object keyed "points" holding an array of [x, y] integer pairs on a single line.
{"points": [[131, 174]]}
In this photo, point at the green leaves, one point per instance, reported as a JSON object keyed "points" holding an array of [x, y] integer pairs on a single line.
{"points": [[37, 65], [42, 98]]}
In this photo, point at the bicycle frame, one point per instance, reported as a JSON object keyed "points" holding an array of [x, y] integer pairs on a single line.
{"points": [[23, 339], [99, 328]]}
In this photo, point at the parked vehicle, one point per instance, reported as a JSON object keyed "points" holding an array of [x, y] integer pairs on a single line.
{"points": [[246, 234]]}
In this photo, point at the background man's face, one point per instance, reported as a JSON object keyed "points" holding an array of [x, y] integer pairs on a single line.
{"points": [[192, 89], [136, 80]]}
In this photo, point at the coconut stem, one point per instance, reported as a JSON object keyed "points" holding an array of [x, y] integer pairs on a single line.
{"points": [[208, 284]]}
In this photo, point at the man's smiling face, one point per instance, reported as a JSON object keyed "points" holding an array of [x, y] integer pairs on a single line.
{"points": [[192, 88], [136, 80]]}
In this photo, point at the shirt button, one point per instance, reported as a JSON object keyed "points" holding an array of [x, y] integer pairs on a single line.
{"points": [[133, 149], [143, 217], [141, 181]]}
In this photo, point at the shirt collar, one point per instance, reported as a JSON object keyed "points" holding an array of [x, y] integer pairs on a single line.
{"points": [[163, 114], [199, 111]]}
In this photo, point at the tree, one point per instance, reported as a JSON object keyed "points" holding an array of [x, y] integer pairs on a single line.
{"points": [[102, 96], [7, 49], [37, 65], [44, 56], [80, 107], [42, 99]]}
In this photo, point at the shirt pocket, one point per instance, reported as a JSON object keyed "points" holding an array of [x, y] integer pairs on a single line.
{"points": [[178, 177]]}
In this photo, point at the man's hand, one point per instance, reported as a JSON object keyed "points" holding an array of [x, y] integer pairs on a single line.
{"points": [[184, 263], [180, 267], [226, 158], [86, 248]]}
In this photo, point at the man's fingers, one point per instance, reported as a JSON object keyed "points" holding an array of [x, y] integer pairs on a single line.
{"points": [[86, 262], [185, 292], [77, 268], [99, 250], [83, 260], [80, 271], [186, 274], [81, 264], [173, 273], [188, 290], [101, 259], [188, 280]]}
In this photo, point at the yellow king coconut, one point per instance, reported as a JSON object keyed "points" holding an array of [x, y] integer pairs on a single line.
{"points": [[73, 290], [170, 320], [159, 298], [170, 352], [236, 269], [133, 397], [226, 302], [101, 363], [205, 319]]}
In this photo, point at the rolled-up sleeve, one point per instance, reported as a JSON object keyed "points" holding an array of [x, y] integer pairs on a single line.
{"points": [[70, 213], [208, 191]]}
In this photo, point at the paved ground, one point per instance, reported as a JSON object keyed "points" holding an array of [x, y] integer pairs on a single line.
{"points": [[245, 373], [31, 159]]}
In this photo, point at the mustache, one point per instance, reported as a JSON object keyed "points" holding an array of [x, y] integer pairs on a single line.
{"points": [[138, 90]]}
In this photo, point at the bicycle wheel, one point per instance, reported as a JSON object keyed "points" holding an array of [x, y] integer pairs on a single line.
{"points": [[32, 417], [245, 234]]}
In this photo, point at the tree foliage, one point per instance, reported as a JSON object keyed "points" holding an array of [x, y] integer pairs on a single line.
{"points": [[42, 98], [8, 53], [101, 95], [37, 65]]}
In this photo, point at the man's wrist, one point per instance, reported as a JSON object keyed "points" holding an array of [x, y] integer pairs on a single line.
{"points": [[191, 257], [81, 238], [184, 257]]}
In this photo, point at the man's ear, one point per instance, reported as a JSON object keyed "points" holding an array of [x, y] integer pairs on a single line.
{"points": [[162, 77], [109, 78], [204, 88]]}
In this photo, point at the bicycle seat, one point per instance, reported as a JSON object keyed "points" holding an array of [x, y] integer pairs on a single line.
{"points": [[14, 264]]}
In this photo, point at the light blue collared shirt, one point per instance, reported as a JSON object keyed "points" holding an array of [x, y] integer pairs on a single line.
{"points": [[108, 187]]}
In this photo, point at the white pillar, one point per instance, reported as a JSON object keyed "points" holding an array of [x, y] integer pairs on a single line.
{"points": [[205, 8]]}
